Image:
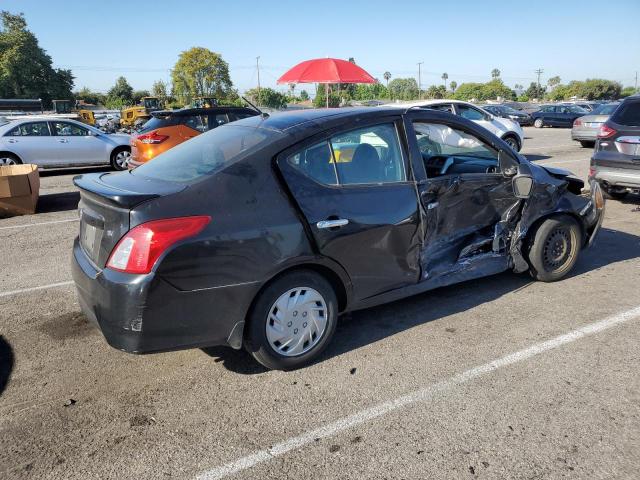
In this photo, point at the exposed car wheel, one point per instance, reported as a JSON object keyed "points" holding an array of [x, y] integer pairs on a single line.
{"points": [[292, 321], [538, 123], [512, 142], [615, 194], [587, 143], [555, 248], [9, 159], [120, 158]]}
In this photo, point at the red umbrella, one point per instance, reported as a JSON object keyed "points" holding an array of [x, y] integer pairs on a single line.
{"points": [[326, 70]]}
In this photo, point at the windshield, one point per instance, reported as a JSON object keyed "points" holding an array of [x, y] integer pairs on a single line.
{"points": [[607, 109], [204, 155], [575, 109]]}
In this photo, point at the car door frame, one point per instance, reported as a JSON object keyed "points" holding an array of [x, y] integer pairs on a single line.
{"points": [[423, 182], [490, 125], [13, 140], [361, 296]]}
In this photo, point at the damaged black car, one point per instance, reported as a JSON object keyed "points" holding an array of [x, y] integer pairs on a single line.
{"points": [[261, 232]]}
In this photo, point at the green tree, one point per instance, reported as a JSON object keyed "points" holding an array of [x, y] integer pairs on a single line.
{"points": [[453, 85], [137, 96], [371, 91], [199, 72], [404, 88], [159, 89], [387, 77], [599, 89], [88, 96], [121, 93], [534, 92], [484, 91], [25, 68], [268, 97], [320, 99], [444, 77], [560, 92], [553, 81], [436, 91], [304, 96], [469, 91], [627, 92], [495, 73]]}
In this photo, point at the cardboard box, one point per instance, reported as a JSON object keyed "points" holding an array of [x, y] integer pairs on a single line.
{"points": [[19, 189]]}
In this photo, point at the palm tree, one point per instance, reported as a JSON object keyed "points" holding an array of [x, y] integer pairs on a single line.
{"points": [[445, 76], [453, 85], [495, 73], [387, 76]]}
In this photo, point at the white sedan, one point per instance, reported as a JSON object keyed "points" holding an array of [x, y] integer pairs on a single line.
{"points": [[505, 128], [60, 142]]}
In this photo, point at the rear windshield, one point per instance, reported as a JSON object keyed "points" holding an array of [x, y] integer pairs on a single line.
{"points": [[605, 109], [205, 154], [628, 114], [157, 122]]}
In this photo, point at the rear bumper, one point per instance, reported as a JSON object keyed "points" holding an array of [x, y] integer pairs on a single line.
{"points": [[584, 134], [144, 313], [616, 177]]}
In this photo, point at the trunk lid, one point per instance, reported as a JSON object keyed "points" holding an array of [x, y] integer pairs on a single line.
{"points": [[106, 201]]}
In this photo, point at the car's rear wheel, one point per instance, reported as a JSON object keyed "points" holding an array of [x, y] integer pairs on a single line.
{"points": [[9, 159], [539, 123], [555, 248], [120, 158], [587, 143], [292, 320], [513, 142]]}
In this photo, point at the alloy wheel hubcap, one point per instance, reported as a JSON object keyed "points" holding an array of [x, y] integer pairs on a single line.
{"points": [[122, 158], [557, 249], [7, 161], [512, 143], [296, 321]]}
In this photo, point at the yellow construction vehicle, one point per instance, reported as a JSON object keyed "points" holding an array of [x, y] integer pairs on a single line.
{"points": [[138, 114], [205, 102], [64, 108]]}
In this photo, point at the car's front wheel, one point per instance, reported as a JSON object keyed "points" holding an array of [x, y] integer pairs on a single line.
{"points": [[292, 320], [512, 142], [555, 248], [539, 123], [120, 158]]}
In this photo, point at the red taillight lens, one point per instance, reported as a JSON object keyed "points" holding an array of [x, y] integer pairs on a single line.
{"points": [[139, 249], [577, 122], [606, 131], [153, 138], [592, 171]]}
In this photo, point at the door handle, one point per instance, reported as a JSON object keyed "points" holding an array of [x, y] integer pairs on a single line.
{"points": [[63, 140], [12, 140], [337, 223]]}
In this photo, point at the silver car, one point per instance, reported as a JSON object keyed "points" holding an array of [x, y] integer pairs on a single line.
{"points": [[60, 142], [585, 128]]}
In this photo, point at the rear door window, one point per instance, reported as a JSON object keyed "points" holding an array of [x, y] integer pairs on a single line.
{"points": [[317, 163], [197, 122], [65, 129], [35, 129], [470, 113], [628, 114]]}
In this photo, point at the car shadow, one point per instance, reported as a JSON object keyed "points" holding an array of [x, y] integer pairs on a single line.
{"points": [[384, 321], [56, 172], [6, 363], [58, 202], [535, 158], [631, 199]]}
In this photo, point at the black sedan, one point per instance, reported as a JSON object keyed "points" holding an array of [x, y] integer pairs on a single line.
{"points": [[504, 111], [557, 115], [261, 232]]}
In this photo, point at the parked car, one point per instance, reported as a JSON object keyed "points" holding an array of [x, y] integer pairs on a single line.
{"points": [[505, 128], [504, 111], [54, 142], [585, 129], [255, 234], [168, 128], [615, 163], [557, 115]]}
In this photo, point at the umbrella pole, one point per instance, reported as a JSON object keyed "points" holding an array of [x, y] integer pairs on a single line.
{"points": [[326, 93]]}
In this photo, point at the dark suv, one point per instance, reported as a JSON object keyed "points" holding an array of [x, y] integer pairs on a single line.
{"points": [[615, 164]]}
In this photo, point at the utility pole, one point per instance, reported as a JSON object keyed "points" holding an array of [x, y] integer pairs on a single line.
{"points": [[636, 85], [539, 72], [258, 69], [420, 80]]}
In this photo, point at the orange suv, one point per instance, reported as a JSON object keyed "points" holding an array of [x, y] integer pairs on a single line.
{"points": [[168, 128]]}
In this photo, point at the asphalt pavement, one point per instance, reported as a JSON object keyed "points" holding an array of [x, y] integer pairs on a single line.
{"points": [[500, 377]]}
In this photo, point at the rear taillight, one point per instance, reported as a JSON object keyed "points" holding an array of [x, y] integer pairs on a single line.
{"points": [[153, 138], [606, 131], [139, 249], [577, 122], [592, 171]]}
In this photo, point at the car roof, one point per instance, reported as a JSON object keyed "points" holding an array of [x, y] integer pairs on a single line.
{"points": [[424, 103], [200, 111], [281, 121]]}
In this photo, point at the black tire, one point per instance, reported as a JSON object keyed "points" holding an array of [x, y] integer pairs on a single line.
{"points": [[115, 164], [611, 194], [9, 159], [538, 123], [587, 143], [256, 341], [513, 142], [555, 248]]}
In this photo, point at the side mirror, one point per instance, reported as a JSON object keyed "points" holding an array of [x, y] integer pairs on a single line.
{"points": [[523, 182], [507, 165]]}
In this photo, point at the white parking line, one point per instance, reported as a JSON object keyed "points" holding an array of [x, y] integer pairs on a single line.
{"points": [[422, 395], [33, 289], [40, 223]]}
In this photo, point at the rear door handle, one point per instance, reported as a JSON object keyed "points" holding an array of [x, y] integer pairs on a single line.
{"points": [[12, 140], [63, 140], [337, 223]]}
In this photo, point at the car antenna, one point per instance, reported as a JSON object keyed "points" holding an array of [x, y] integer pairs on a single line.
{"points": [[262, 114]]}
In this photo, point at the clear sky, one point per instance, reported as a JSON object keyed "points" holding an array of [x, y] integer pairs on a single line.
{"points": [[101, 40]]}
